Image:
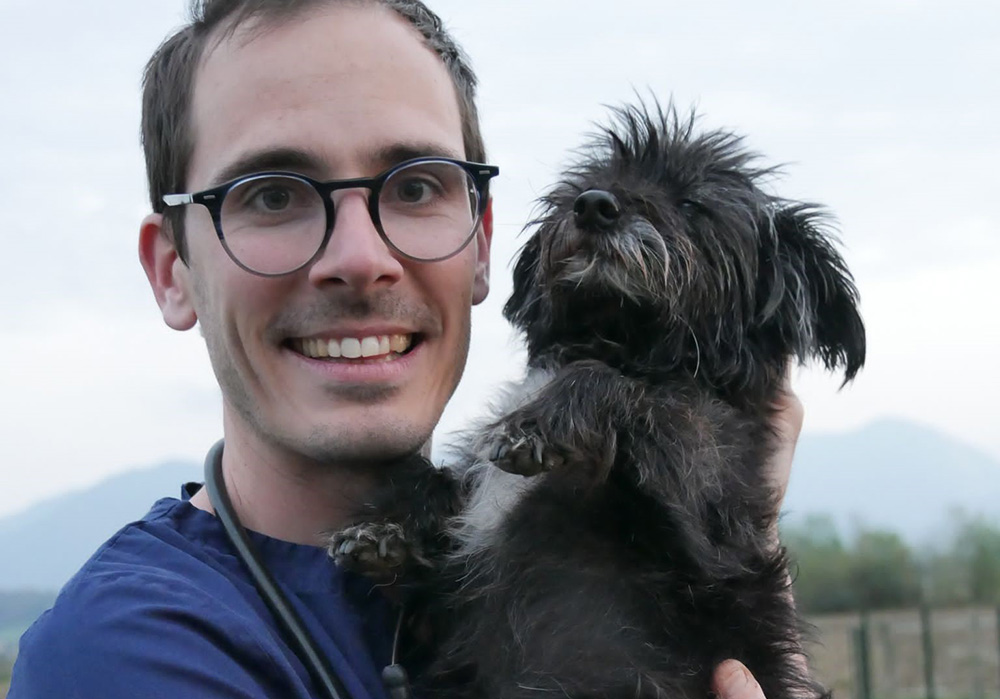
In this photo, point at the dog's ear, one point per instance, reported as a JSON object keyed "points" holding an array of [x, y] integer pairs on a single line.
{"points": [[807, 299], [525, 306]]}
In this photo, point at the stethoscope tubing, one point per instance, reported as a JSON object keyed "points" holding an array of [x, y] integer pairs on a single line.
{"points": [[291, 624]]}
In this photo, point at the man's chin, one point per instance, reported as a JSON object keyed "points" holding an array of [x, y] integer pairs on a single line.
{"points": [[358, 447], [363, 394]]}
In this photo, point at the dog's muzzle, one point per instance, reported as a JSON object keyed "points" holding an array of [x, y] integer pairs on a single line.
{"points": [[596, 211], [604, 247]]}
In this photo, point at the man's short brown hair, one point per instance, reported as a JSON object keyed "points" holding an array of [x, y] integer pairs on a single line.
{"points": [[168, 85]]}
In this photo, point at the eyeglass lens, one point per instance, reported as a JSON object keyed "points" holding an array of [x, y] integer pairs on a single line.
{"points": [[276, 223]]}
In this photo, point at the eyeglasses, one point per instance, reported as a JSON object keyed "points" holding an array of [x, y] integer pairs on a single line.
{"points": [[275, 223]]}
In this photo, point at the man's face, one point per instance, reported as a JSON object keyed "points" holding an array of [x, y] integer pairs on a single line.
{"points": [[342, 92]]}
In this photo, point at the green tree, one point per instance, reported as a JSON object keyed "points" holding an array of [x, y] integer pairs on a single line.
{"points": [[884, 573], [977, 549], [966, 570], [875, 570], [820, 565]]}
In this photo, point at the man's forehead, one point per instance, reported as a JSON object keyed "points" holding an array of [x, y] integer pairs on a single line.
{"points": [[244, 29], [243, 26], [340, 75]]}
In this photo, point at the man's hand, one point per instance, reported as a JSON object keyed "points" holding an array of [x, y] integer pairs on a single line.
{"points": [[787, 424], [732, 680]]}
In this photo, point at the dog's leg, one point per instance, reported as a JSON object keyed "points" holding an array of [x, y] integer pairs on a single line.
{"points": [[695, 456], [401, 531], [573, 420]]}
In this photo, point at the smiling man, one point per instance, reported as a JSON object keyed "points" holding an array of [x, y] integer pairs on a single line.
{"points": [[346, 91], [322, 213]]}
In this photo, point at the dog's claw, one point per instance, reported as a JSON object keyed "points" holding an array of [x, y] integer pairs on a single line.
{"points": [[375, 549], [499, 451], [522, 453], [538, 451]]}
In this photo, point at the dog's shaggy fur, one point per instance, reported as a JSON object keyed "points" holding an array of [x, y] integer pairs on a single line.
{"points": [[611, 534]]}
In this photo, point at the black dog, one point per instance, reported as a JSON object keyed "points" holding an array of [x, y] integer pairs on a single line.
{"points": [[611, 534]]}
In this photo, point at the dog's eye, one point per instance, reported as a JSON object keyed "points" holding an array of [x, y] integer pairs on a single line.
{"points": [[690, 206]]}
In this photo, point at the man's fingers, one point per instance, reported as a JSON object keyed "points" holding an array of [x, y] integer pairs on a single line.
{"points": [[790, 409], [732, 680], [786, 421]]}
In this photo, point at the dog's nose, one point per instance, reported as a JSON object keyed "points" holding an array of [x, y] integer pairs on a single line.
{"points": [[596, 210]]}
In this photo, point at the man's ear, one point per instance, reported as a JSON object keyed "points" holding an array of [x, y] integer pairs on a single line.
{"points": [[481, 283], [168, 275]]}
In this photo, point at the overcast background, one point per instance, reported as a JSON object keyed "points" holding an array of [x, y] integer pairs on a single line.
{"points": [[885, 111]]}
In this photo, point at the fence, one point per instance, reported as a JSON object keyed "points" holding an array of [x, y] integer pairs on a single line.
{"points": [[913, 654]]}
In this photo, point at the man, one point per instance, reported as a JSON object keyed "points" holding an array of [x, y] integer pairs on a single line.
{"points": [[336, 330]]}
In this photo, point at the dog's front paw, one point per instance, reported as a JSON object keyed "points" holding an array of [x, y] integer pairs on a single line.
{"points": [[521, 451], [378, 550]]}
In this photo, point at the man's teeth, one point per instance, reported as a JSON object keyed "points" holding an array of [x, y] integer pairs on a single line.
{"points": [[356, 348]]}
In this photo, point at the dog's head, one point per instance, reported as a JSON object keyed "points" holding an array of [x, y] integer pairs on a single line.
{"points": [[660, 249]]}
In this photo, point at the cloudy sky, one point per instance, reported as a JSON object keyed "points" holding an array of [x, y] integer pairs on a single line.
{"points": [[884, 110]]}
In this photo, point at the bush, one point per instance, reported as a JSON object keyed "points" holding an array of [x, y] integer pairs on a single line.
{"points": [[876, 569]]}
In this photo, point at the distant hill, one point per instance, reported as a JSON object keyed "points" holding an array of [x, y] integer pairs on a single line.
{"points": [[891, 474], [43, 546], [17, 611], [895, 475]]}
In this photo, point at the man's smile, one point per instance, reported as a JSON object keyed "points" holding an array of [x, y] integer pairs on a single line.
{"points": [[386, 347]]}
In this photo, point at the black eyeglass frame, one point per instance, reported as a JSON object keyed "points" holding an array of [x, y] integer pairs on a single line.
{"points": [[212, 199]]}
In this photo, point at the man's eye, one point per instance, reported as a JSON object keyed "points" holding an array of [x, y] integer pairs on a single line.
{"points": [[273, 198], [270, 200], [414, 191], [271, 195]]}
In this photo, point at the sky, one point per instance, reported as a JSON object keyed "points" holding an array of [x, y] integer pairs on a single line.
{"points": [[885, 111]]}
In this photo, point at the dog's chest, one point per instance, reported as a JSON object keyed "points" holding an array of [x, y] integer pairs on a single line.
{"points": [[493, 492]]}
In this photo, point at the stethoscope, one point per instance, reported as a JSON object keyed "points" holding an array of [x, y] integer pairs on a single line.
{"points": [[296, 634]]}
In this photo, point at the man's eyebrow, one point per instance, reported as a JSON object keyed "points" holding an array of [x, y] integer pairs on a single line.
{"points": [[395, 153], [302, 162], [291, 159]]}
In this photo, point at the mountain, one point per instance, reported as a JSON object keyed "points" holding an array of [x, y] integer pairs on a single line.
{"points": [[892, 474], [41, 547], [17, 611]]}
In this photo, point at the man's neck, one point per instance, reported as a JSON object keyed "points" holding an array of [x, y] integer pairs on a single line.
{"points": [[295, 501]]}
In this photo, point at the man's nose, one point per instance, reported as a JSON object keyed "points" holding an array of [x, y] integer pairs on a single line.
{"points": [[355, 255]]}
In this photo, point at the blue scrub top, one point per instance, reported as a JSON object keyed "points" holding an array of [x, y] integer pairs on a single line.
{"points": [[165, 609]]}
